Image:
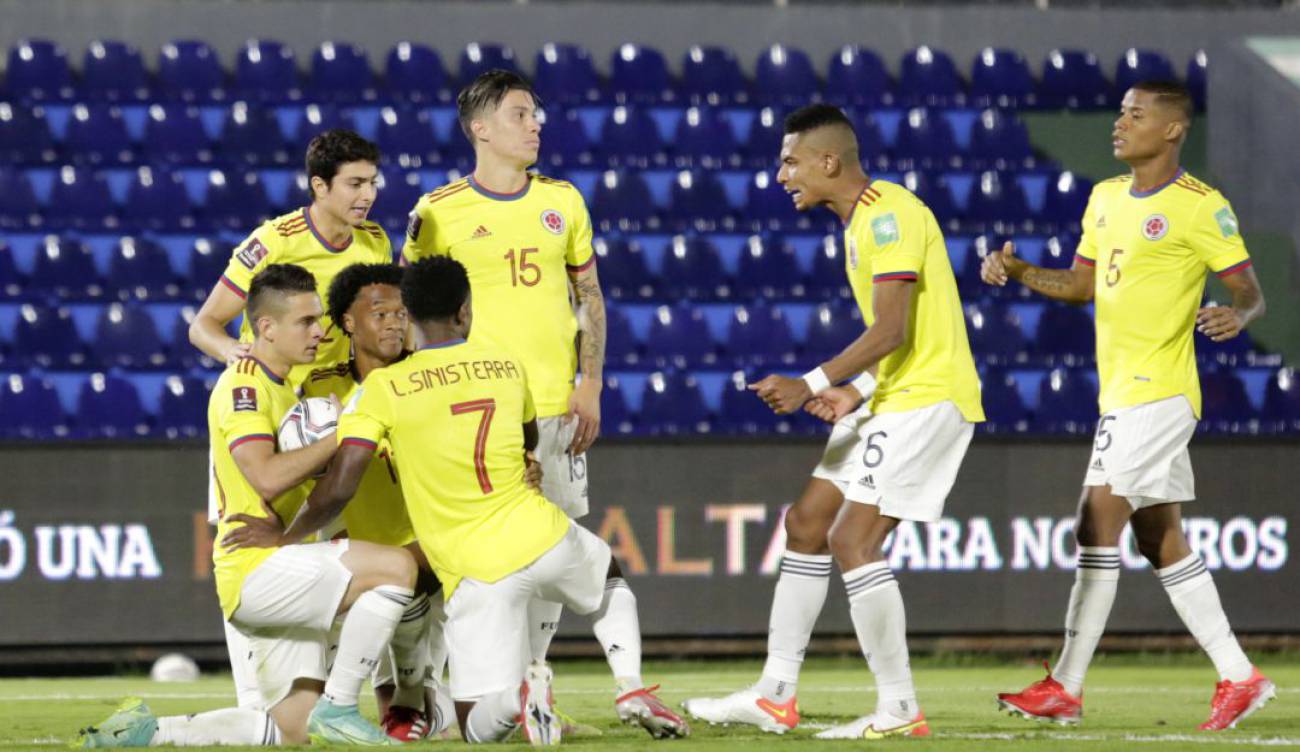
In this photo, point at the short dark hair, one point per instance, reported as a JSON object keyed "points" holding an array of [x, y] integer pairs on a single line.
{"points": [[816, 116], [1170, 93], [486, 92], [272, 285], [332, 149], [351, 281], [434, 288]]}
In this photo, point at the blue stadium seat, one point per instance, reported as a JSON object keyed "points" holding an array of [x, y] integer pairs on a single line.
{"points": [[25, 136], [622, 349], [1065, 335], [672, 406], [1001, 78], [785, 76], [698, 202], [108, 407], [1067, 197], [639, 75], [966, 267], [174, 134], [622, 202], [340, 73], [398, 193], [996, 204], [1229, 352], [1281, 411], [759, 336], [830, 329], [415, 73], [679, 338], [156, 201], [712, 76], [692, 270], [66, 269], [190, 71], [97, 136], [996, 335], [12, 284], [266, 71], [856, 77], [1225, 406], [769, 208], [127, 337], [38, 71], [871, 143], [744, 414], [1141, 65], [999, 141], [768, 270], [763, 145], [1004, 409], [1058, 253], [623, 271], [114, 71], [47, 338], [615, 417], [827, 280], [252, 136], [925, 142], [405, 137], [1067, 403], [564, 140], [182, 408], [30, 409], [704, 139], [564, 74], [1073, 79], [316, 119], [480, 57], [141, 270], [936, 194], [1197, 77], [629, 138], [928, 78], [18, 207], [235, 201], [208, 261]]}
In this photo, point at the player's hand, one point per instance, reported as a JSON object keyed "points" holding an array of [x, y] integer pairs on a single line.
{"points": [[834, 403], [237, 350], [256, 532], [997, 266], [1219, 323], [532, 471], [584, 404], [782, 393]]}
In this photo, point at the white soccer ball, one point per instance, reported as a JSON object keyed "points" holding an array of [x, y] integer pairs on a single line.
{"points": [[174, 667], [306, 423]]}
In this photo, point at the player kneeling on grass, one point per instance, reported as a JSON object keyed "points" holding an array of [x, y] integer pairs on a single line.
{"points": [[460, 419], [283, 599]]}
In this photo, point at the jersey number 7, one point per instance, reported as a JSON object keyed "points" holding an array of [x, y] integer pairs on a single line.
{"points": [[488, 408]]}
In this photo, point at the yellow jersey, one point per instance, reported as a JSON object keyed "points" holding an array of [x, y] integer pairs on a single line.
{"points": [[246, 405], [892, 235], [1150, 251], [293, 239], [377, 512], [454, 413], [517, 249]]}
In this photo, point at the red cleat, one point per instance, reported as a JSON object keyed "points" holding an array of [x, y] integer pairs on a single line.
{"points": [[405, 724], [1234, 701], [1044, 700]]}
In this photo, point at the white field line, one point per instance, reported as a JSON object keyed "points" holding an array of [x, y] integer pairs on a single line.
{"points": [[1255, 741]]}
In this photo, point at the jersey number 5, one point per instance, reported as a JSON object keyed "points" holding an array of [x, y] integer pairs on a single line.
{"points": [[488, 408], [523, 272], [1112, 271]]}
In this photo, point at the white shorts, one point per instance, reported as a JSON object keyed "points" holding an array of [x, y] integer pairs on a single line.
{"points": [[242, 670], [286, 608], [910, 460], [842, 457], [1141, 453], [564, 475], [487, 622]]}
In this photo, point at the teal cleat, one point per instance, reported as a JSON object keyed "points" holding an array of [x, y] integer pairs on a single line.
{"points": [[131, 725], [343, 724]]}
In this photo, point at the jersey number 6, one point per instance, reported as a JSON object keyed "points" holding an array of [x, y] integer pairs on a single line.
{"points": [[488, 407]]}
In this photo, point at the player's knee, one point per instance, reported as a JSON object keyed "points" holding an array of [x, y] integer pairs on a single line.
{"points": [[843, 543], [804, 532], [402, 568]]}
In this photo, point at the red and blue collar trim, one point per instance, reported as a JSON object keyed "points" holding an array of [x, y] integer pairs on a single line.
{"points": [[500, 196], [267, 370], [306, 213], [445, 343], [1158, 188]]}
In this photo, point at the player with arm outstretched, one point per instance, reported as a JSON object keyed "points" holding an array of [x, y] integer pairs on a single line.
{"points": [[1149, 237], [896, 446]]}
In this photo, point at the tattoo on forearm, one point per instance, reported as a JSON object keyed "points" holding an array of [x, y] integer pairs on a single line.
{"points": [[591, 347], [1049, 281]]}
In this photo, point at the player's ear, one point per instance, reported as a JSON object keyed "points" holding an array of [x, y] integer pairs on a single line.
{"points": [[479, 129], [318, 187], [347, 323], [831, 164], [1176, 130]]}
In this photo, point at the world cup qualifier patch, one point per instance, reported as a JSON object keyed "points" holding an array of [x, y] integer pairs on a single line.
{"points": [[245, 398], [553, 221], [252, 253], [1155, 227], [1227, 222], [885, 229], [413, 226]]}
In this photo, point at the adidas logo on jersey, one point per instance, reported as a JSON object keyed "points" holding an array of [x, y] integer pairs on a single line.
{"points": [[481, 232]]}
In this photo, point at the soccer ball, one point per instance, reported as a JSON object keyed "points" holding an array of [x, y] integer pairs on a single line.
{"points": [[174, 667], [306, 423]]}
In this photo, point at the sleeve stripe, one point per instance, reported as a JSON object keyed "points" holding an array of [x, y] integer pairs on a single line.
{"points": [[355, 441], [1239, 266], [583, 266], [233, 287], [895, 277], [1084, 259], [251, 437]]}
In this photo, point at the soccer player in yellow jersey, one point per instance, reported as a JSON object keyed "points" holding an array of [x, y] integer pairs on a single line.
{"points": [[526, 241], [460, 416], [324, 237], [898, 441], [282, 600], [1149, 238]]}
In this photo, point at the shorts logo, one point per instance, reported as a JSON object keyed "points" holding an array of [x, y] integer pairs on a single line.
{"points": [[1155, 227], [245, 399], [553, 221], [885, 229], [1227, 222], [1096, 464], [413, 226], [869, 482], [853, 254], [1101, 222], [252, 253]]}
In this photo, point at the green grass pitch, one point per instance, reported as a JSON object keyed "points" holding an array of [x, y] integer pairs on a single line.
{"points": [[1132, 703]]}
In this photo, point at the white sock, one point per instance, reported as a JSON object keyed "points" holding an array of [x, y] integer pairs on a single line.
{"points": [[493, 717], [543, 622], [619, 631], [1095, 583], [1196, 599], [367, 630], [876, 606], [410, 654], [796, 603], [225, 727]]}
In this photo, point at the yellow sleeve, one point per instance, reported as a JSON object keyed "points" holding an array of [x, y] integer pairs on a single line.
{"points": [[1216, 237], [419, 233], [900, 235], [1086, 252], [368, 416], [578, 255], [250, 257], [244, 411]]}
